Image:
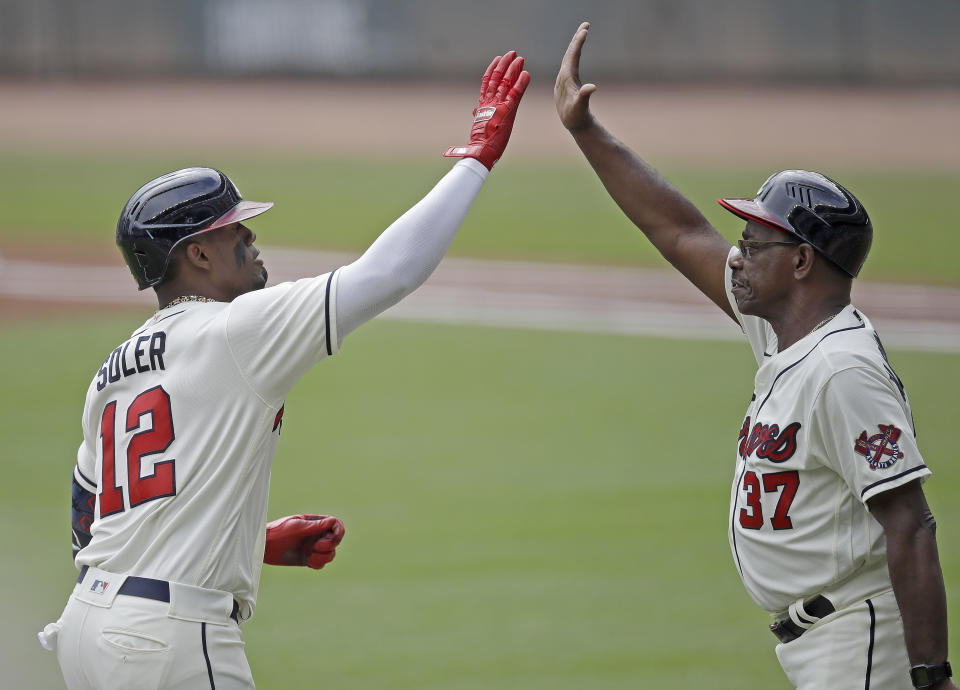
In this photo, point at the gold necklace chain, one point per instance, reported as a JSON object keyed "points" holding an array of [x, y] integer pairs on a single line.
{"points": [[822, 323], [187, 298]]}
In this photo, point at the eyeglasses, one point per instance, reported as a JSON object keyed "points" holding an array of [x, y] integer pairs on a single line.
{"points": [[749, 246]]}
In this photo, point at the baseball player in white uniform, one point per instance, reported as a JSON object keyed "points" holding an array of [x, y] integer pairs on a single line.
{"points": [[182, 419], [828, 524]]}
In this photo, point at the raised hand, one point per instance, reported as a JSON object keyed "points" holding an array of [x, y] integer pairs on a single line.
{"points": [[501, 89], [572, 97]]}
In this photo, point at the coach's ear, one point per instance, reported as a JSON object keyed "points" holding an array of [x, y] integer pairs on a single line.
{"points": [[803, 260]]}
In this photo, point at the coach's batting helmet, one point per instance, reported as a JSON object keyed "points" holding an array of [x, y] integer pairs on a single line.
{"points": [[167, 210], [815, 209]]}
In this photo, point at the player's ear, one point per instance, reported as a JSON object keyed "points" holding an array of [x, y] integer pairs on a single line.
{"points": [[195, 254]]}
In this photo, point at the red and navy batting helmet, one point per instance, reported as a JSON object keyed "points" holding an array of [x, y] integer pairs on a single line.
{"points": [[171, 208], [815, 209]]}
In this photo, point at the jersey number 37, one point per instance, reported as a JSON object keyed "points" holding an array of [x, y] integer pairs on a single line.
{"points": [[154, 439], [751, 517]]}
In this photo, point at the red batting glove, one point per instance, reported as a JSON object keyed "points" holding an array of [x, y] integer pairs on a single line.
{"points": [[501, 89], [309, 540]]}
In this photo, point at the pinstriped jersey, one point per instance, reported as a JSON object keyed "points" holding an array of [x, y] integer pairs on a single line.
{"points": [[180, 427], [828, 426]]}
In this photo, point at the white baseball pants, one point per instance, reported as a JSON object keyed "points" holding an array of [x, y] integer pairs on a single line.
{"points": [[105, 640], [860, 646]]}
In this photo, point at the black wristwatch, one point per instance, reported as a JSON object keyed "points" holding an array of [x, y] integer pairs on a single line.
{"points": [[927, 676]]}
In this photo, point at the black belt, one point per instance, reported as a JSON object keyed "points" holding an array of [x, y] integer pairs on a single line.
{"points": [[817, 608], [148, 588]]}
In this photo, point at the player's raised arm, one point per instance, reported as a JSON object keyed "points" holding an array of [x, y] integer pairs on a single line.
{"points": [[670, 221], [407, 252]]}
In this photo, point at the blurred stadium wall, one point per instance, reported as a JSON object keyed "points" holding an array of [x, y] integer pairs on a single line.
{"points": [[874, 41]]}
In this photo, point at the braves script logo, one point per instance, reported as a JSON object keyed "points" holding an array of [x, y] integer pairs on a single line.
{"points": [[880, 450], [768, 441]]}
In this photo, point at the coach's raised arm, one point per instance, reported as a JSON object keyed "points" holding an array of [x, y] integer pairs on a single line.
{"points": [[669, 220]]}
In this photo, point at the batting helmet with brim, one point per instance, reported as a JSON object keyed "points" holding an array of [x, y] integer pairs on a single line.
{"points": [[166, 211], [815, 209]]}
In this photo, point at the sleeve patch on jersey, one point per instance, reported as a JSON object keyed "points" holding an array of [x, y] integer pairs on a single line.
{"points": [[880, 450]]}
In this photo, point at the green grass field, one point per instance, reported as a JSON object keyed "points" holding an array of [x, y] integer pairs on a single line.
{"points": [[523, 509], [555, 211]]}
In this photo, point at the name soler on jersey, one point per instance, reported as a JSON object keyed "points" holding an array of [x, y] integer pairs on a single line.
{"points": [[146, 354]]}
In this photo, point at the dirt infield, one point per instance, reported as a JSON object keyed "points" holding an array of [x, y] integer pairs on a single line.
{"points": [[506, 294], [713, 125]]}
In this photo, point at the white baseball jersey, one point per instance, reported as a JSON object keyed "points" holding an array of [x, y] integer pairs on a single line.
{"points": [[829, 426], [180, 428]]}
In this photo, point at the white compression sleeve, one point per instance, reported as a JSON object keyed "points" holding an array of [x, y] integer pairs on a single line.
{"points": [[408, 251]]}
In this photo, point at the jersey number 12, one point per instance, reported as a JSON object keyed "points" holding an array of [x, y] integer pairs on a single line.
{"points": [[150, 441]]}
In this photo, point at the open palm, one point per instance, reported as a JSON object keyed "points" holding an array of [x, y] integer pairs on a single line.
{"points": [[572, 97]]}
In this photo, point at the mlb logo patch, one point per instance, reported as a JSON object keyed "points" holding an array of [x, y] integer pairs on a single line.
{"points": [[99, 586], [880, 450]]}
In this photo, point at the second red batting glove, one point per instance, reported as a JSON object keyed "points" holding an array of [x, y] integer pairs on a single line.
{"points": [[309, 540]]}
